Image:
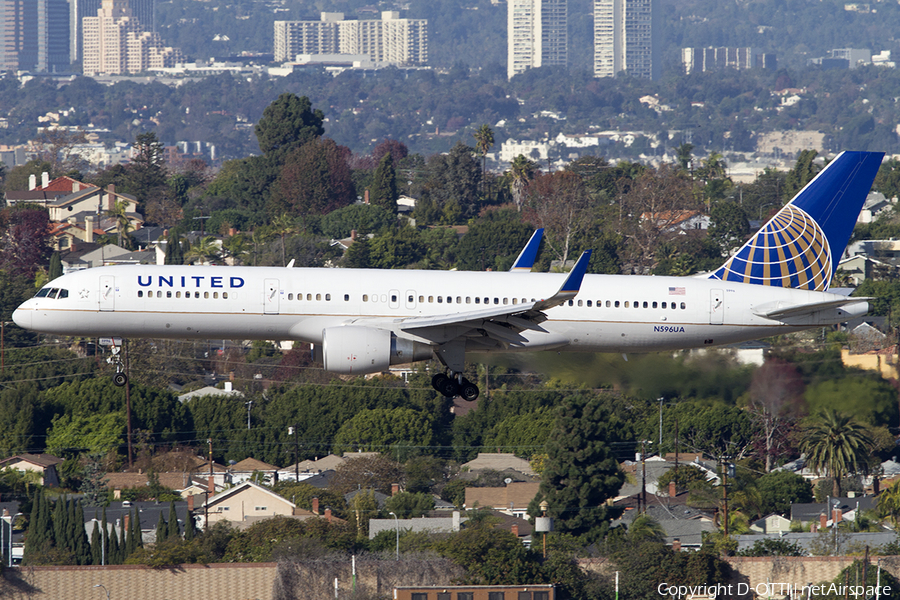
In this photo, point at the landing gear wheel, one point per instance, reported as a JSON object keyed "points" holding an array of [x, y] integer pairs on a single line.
{"points": [[468, 391], [120, 379], [444, 385]]}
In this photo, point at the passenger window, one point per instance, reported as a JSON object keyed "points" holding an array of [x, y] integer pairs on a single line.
{"points": [[654, 305], [515, 300], [488, 300], [327, 297], [410, 299], [637, 304], [430, 299], [459, 299], [607, 304], [440, 299], [664, 305], [579, 303], [206, 294], [571, 302], [496, 300], [589, 304], [683, 306], [309, 297], [421, 299], [168, 294], [290, 296], [365, 297], [469, 299], [477, 300], [505, 301], [196, 294], [645, 305], [449, 299], [318, 297], [215, 294], [140, 293], [225, 295], [673, 306], [178, 294], [346, 297], [626, 304], [617, 304], [158, 294]]}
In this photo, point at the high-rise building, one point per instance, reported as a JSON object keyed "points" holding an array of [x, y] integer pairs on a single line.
{"points": [[34, 35], [78, 10], [390, 39], [626, 38], [537, 34], [116, 42]]}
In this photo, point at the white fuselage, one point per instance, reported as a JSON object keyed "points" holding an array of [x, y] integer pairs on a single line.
{"points": [[611, 313]]}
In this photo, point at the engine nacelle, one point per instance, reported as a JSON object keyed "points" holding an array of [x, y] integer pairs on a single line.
{"points": [[354, 350]]}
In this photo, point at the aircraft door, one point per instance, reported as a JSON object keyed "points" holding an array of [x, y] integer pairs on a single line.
{"points": [[272, 297], [411, 299], [107, 293], [716, 307]]}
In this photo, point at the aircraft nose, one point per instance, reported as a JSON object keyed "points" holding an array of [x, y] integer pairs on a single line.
{"points": [[22, 318]]}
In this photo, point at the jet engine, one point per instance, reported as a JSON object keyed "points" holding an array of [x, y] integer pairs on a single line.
{"points": [[354, 350]]}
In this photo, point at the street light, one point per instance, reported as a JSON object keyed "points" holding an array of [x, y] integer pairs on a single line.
{"points": [[100, 585], [397, 527], [12, 520]]}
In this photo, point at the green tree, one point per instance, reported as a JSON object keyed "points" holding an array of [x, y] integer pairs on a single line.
{"points": [[147, 170], [315, 180], [383, 192], [123, 223], [409, 506], [874, 399], [288, 123], [55, 269], [400, 431], [803, 172], [204, 250], [491, 556], [728, 227], [96, 550], [174, 531], [581, 471], [889, 503], [645, 529], [162, 529], [362, 218], [837, 444], [72, 434], [772, 547], [780, 489]]}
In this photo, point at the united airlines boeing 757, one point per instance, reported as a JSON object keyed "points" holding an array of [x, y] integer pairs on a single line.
{"points": [[367, 320]]}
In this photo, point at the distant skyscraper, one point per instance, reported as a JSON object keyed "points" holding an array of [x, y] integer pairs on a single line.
{"points": [[79, 9], [34, 35], [116, 42], [537, 35], [626, 37]]}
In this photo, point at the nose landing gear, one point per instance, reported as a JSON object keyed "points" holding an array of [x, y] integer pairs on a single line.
{"points": [[119, 378], [455, 385]]}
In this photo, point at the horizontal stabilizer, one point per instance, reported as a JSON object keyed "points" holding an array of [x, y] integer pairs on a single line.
{"points": [[776, 311]]}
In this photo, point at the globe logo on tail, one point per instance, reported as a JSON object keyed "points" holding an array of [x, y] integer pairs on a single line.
{"points": [[790, 251]]}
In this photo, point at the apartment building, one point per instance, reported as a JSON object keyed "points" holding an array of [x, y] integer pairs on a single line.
{"points": [[115, 42], [391, 39], [626, 38], [537, 35]]}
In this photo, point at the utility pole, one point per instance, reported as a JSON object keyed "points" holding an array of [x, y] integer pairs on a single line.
{"points": [[725, 492], [643, 479], [209, 482], [128, 400]]}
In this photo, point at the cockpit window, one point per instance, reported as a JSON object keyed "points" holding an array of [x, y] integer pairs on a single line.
{"points": [[52, 293]]}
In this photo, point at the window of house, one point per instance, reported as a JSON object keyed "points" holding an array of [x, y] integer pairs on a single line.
{"points": [[542, 596], [464, 595], [496, 596], [260, 508], [524, 596], [443, 596], [419, 596]]}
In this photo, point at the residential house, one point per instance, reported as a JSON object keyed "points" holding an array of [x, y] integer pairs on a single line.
{"points": [[773, 523], [307, 468], [680, 221], [43, 465], [449, 524], [499, 461], [511, 499], [819, 513], [250, 467], [227, 391], [184, 482], [250, 503], [684, 526]]}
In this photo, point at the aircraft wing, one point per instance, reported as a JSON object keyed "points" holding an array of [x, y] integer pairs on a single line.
{"points": [[498, 325], [777, 311]]}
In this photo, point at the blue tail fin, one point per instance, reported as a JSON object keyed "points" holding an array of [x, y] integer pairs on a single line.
{"points": [[801, 246]]}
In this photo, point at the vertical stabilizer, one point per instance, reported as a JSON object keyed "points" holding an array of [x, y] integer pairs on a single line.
{"points": [[801, 246]]}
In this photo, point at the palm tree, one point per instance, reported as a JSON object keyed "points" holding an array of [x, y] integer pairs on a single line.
{"points": [[283, 225], [236, 248], [835, 443], [123, 223], [521, 170], [645, 529], [889, 504], [484, 140], [205, 250]]}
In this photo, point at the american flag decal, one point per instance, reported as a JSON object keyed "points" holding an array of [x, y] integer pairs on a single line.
{"points": [[676, 291]]}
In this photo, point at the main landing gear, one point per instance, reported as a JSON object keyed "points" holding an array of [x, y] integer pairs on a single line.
{"points": [[119, 378], [455, 385]]}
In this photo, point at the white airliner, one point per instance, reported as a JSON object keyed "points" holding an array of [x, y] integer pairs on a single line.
{"points": [[367, 320]]}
